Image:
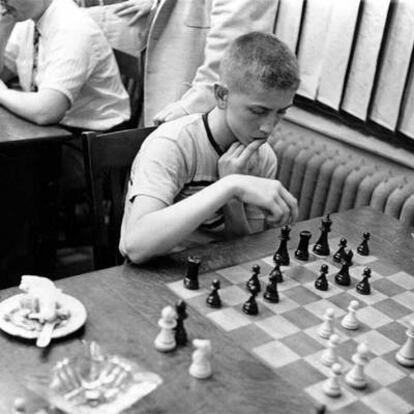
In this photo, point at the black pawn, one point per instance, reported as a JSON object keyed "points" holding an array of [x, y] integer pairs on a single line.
{"points": [[342, 277], [302, 252], [363, 287], [271, 294], [321, 247], [213, 299], [282, 250], [250, 306], [253, 284], [276, 270], [180, 332], [191, 277], [338, 256], [321, 283], [363, 248]]}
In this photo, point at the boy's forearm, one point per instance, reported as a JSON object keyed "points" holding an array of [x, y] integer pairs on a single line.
{"points": [[158, 232]]}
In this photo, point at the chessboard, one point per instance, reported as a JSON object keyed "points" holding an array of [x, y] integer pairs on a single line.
{"points": [[285, 336]]}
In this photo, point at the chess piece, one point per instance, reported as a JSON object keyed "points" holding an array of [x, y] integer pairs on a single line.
{"points": [[342, 277], [363, 287], [355, 376], [350, 321], [321, 283], [254, 283], [282, 250], [405, 356], [363, 248], [165, 340], [276, 270], [271, 294], [180, 332], [320, 409], [329, 356], [338, 256], [191, 277], [302, 252], [200, 367], [321, 247], [250, 306], [331, 387], [213, 299], [327, 327]]}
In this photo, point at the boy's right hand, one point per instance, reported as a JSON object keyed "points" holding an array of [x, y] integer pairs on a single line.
{"points": [[236, 159], [268, 194]]}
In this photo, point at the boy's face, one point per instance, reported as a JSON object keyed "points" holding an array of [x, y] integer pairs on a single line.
{"points": [[253, 115]]}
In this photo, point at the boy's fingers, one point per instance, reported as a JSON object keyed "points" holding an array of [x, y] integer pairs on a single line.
{"points": [[291, 203], [250, 149], [135, 18]]}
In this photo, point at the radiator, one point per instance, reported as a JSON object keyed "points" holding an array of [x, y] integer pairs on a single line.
{"points": [[325, 180]]}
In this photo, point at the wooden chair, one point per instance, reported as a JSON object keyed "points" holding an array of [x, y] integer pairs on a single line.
{"points": [[108, 157], [131, 78]]}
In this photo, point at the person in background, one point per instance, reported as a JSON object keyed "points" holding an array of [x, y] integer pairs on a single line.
{"points": [[215, 171], [67, 75], [65, 66], [186, 41], [125, 30]]}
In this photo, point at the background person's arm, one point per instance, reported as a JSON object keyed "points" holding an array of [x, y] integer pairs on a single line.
{"points": [[44, 107]]}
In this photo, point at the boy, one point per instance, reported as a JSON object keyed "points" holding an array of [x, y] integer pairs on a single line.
{"points": [[211, 169]]}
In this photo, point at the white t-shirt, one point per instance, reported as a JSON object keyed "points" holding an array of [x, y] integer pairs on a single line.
{"points": [[74, 59], [179, 159]]}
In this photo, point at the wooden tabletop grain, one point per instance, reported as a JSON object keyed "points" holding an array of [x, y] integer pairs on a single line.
{"points": [[15, 130], [124, 305]]}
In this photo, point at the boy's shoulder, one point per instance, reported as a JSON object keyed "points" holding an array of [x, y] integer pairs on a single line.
{"points": [[181, 130]]}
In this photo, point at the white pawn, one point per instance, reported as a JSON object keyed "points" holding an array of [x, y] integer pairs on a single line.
{"points": [[165, 340], [201, 366], [329, 356], [405, 356], [327, 327], [331, 387], [350, 320], [355, 376]]}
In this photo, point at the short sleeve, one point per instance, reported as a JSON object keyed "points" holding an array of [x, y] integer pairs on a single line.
{"points": [[68, 64], [159, 171]]}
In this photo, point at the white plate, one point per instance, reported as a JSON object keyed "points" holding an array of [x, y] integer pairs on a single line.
{"points": [[76, 319]]}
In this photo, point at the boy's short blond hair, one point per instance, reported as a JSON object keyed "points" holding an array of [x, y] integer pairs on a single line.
{"points": [[259, 58]]}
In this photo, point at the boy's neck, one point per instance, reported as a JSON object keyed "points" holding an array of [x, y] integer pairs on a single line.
{"points": [[220, 130]]}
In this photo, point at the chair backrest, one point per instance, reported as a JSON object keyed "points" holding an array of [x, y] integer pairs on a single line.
{"points": [[130, 75], [108, 158]]}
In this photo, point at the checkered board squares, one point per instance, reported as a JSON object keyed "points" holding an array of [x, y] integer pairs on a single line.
{"points": [[285, 335]]}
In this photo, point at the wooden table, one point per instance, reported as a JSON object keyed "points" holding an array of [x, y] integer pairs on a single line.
{"points": [[124, 305], [30, 157]]}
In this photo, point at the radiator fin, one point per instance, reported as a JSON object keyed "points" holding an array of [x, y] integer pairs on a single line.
{"points": [[323, 184], [383, 191], [368, 185], [352, 182], [309, 182]]}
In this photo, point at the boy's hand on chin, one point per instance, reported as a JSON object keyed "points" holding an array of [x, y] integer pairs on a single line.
{"points": [[236, 159]]}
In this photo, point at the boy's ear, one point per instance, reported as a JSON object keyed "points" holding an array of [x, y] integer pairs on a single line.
{"points": [[221, 94]]}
